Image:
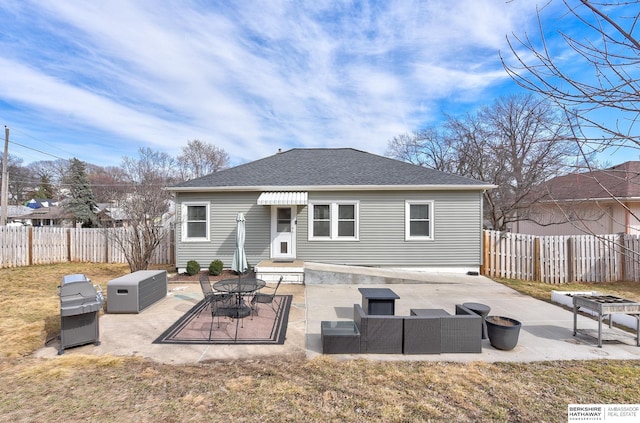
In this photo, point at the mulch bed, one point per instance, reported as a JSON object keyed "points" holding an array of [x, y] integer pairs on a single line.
{"points": [[185, 277]]}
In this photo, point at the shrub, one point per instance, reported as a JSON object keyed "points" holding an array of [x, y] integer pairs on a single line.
{"points": [[215, 268], [193, 267]]}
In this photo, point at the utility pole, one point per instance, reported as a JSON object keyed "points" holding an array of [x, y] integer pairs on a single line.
{"points": [[5, 179]]}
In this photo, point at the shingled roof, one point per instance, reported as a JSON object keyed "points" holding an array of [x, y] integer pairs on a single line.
{"points": [[339, 167], [621, 181]]}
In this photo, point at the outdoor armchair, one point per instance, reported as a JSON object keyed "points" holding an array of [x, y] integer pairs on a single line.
{"points": [[422, 335], [461, 333], [378, 333]]}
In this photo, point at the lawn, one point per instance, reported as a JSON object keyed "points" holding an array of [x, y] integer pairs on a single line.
{"points": [[113, 389]]}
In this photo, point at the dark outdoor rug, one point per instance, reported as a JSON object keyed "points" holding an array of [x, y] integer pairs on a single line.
{"points": [[266, 327]]}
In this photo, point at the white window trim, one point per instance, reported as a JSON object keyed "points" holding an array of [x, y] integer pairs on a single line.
{"points": [[407, 223], [333, 211], [184, 215]]}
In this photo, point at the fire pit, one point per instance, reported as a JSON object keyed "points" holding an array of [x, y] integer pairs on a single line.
{"points": [[606, 305]]}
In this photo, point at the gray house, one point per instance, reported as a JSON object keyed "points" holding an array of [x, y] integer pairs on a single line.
{"points": [[334, 206]]}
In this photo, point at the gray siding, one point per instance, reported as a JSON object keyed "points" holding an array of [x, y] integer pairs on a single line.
{"points": [[223, 209], [457, 230]]}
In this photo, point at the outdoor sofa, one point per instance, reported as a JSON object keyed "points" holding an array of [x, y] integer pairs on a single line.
{"points": [[418, 334]]}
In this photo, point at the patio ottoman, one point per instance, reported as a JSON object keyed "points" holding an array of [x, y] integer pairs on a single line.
{"points": [[341, 337]]}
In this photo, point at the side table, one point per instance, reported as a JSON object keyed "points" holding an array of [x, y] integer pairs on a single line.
{"points": [[483, 310], [341, 337], [379, 301]]}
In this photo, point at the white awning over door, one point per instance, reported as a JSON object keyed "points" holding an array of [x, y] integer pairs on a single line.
{"points": [[282, 198]]}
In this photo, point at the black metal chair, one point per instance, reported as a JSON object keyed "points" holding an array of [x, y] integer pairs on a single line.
{"points": [[219, 303], [263, 298], [212, 296]]}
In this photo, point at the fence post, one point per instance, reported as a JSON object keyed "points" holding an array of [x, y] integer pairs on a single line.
{"points": [[570, 260], [105, 235], [536, 259], [30, 246], [69, 245], [484, 257], [621, 272]]}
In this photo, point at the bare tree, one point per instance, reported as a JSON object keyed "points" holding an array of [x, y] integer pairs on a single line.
{"points": [[516, 143], [108, 183], [199, 158], [21, 180], [53, 171], [596, 81], [144, 205], [603, 37], [426, 147]]}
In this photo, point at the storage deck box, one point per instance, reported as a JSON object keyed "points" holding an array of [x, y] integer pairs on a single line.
{"points": [[136, 291]]}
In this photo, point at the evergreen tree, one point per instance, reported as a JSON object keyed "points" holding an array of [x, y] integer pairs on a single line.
{"points": [[45, 190], [81, 202]]}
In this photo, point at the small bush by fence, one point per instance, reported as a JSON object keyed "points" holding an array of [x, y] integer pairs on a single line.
{"points": [[562, 259], [24, 246]]}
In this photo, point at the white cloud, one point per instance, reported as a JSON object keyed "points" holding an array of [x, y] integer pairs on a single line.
{"points": [[254, 76]]}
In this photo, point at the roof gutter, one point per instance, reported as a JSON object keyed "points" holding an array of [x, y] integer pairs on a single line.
{"points": [[316, 188], [583, 200]]}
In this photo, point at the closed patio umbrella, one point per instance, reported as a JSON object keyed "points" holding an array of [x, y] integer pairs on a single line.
{"points": [[239, 257]]}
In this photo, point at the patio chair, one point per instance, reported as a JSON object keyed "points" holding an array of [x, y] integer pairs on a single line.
{"points": [[219, 304], [210, 295], [263, 298]]}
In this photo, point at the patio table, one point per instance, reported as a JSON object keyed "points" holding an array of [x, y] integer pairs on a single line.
{"points": [[240, 287], [339, 337]]}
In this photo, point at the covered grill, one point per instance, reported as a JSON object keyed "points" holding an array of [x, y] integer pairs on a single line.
{"points": [[80, 302]]}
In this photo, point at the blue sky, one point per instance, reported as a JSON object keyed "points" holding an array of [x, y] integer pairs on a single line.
{"points": [[98, 80]]}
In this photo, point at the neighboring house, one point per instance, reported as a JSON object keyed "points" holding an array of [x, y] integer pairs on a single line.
{"points": [[111, 216], [50, 216], [603, 201], [17, 215], [337, 206]]}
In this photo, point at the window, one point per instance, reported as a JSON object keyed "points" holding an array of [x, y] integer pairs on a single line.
{"points": [[321, 220], [419, 220], [333, 221], [284, 219], [195, 222], [346, 220]]}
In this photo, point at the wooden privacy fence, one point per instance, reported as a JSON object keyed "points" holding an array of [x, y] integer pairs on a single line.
{"points": [[561, 259], [24, 246]]}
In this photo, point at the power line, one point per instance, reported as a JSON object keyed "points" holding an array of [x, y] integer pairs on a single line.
{"points": [[39, 151], [43, 142]]}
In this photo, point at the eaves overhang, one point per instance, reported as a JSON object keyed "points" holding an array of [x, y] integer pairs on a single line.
{"points": [[592, 200]]}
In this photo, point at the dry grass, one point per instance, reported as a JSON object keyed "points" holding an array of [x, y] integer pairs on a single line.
{"points": [[77, 388], [542, 291], [30, 306]]}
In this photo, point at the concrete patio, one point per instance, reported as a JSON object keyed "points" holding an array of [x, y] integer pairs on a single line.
{"points": [[329, 294], [547, 329]]}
